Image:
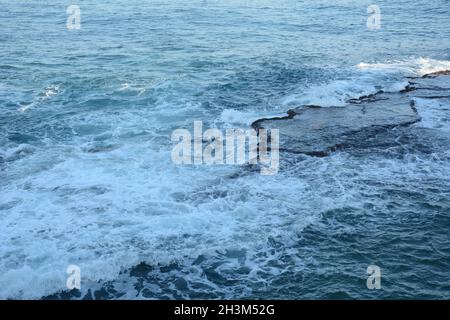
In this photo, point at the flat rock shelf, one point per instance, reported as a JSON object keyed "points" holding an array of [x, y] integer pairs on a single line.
{"points": [[317, 131]]}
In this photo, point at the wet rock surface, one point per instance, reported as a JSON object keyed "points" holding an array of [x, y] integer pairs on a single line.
{"points": [[317, 131]]}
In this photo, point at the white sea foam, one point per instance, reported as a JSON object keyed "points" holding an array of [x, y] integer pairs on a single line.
{"points": [[396, 86], [368, 78], [339, 92], [110, 210], [16, 152], [232, 117], [107, 211], [139, 88], [47, 93], [434, 113], [412, 67]]}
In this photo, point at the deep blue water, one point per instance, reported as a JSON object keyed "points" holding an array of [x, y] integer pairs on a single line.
{"points": [[86, 176]]}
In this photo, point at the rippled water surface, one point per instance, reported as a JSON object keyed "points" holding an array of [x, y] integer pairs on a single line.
{"points": [[86, 176]]}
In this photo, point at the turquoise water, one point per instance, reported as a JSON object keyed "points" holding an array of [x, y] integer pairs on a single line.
{"points": [[87, 177]]}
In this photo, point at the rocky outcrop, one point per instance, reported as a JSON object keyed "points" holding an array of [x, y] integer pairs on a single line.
{"points": [[317, 131]]}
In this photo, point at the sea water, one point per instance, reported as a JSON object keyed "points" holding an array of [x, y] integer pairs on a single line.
{"points": [[86, 176]]}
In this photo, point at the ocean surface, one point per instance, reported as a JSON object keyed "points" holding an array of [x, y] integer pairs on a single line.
{"points": [[86, 176]]}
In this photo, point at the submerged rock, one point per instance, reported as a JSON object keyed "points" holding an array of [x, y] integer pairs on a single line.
{"points": [[317, 131]]}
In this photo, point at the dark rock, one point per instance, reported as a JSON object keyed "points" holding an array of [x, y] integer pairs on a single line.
{"points": [[317, 131], [437, 73]]}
